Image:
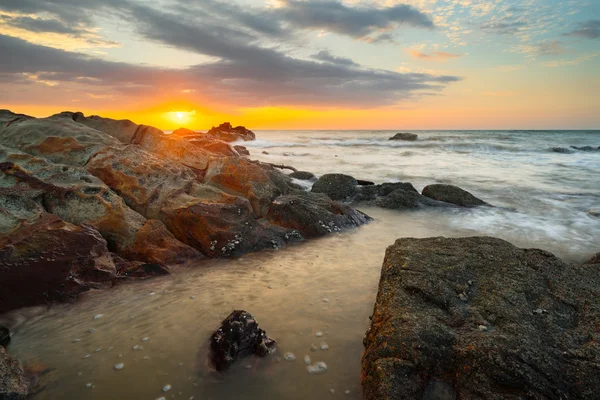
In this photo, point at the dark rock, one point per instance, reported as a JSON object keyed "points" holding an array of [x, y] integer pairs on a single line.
{"points": [[314, 215], [238, 336], [452, 194], [372, 192], [13, 383], [405, 136], [364, 183], [242, 150], [265, 152], [401, 199], [302, 175], [563, 150], [584, 148], [386, 188], [478, 318], [594, 260], [336, 186], [227, 133], [4, 336]]}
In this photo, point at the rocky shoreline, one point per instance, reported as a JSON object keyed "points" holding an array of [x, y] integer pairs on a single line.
{"points": [[88, 202]]}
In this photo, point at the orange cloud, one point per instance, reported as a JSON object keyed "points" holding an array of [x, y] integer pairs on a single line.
{"points": [[439, 56]]}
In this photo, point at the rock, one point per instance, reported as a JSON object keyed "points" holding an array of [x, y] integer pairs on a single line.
{"points": [[241, 150], [324, 346], [452, 194], [13, 384], [594, 260], [562, 150], [227, 133], [372, 192], [289, 356], [314, 215], [364, 183], [405, 136], [401, 199], [7, 118], [59, 140], [238, 336], [119, 366], [302, 175], [317, 368], [307, 360], [336, 186], [4, 336], [584, 148], [136, 269], [214, 146], [122, 130], [183, 132], [424, 339], [52, 260]]}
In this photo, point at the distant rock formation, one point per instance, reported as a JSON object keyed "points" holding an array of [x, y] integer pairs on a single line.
{"points": [[227, 133], [411, 137], [479, 318]]}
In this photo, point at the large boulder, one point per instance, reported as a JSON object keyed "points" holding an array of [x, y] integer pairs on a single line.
{"points": [[401, 199], [302, 175], [452, 194], [13, 384], [122, 130], [78, 197], [314, 215], [478, 318], [238, 336], [58, 139], [405, 136], [51, 260], [336, 186], [227, 133]]}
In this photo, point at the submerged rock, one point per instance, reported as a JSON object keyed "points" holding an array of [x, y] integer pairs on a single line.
{"points": [[13, 384], [405, 136], [452, 194], [401, 199], [302, 175], [238, 336], [317, 368], [4, 336], [424, 339], [562, 150], [336, 186], [585, 148]]}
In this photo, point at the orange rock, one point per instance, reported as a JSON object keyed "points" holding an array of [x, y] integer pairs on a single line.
{"points": [[153, 243]]}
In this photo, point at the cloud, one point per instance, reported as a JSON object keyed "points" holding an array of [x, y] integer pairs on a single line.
{"points": [[544, 48], [439, 56], [248, 76], [357, 22], [575, 61], [325, 55], [588, 29], [40, 25], [504, 27]]}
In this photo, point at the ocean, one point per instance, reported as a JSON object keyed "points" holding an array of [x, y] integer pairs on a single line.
{"points": [[320, 291]]}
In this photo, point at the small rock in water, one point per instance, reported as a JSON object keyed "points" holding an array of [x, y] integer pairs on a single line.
{"points": [[307, 360], [319, 334], [180, 365], [152, 294], [137, 347], [192, 297], [270, 287], [89, 385], [86, 356], [324, 346], [313, 347], [145, 358], [347, 392], [119, 366], [325, 300], [91, 330], [110, 348], [166, 388], [317, 368], [98, 349], [145, 339], [289, 356], [332, 391], [76, 340], [98, 316]]}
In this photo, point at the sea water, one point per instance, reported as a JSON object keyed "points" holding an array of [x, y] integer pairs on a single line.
{"points": [[159, 328]]}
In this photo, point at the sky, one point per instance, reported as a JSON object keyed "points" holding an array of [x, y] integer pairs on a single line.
{"points": [[306, 64]]}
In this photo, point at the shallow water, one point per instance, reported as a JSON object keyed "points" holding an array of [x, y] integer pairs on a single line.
{"points": [[550, 193]]}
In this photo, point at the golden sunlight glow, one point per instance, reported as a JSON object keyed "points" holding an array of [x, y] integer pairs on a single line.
{"points": [[181, 117]]}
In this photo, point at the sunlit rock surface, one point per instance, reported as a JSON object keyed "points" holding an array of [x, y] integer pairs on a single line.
{"points": [[477, 318]]}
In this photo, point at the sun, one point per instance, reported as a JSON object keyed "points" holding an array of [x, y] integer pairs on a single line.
{"points": [[179, 115]]}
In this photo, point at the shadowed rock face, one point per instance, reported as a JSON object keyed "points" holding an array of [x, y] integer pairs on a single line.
{"points": [[477, 318], [4, 336], [227, 133], [452, 194], [13, 385], [336, 186], [238, 336]]}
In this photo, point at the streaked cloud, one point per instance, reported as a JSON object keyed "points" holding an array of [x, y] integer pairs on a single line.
{"points": [[326, 56], [589, 29], [438, 56]]}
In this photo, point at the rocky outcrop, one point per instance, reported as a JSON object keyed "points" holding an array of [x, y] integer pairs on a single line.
{"points": [[585, 148], [13, 384], [51, 260], [594, 260], [227, 133], [401, 199], [336, 186], [477, 318], [453, 195], [241, 150], [238, 336], [562, 150], [405, 136]]}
